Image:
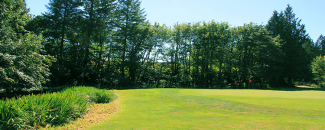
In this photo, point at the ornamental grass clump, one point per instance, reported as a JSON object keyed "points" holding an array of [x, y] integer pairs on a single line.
{"points": [[33, 111]]}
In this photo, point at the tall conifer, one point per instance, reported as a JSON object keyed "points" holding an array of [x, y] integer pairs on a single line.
{"points": [[295, 63]]}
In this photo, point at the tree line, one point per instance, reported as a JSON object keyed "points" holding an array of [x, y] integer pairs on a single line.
{"points": [[110, 43]]}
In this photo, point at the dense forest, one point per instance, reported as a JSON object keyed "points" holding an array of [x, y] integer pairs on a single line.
{"points": [[110, 43]]}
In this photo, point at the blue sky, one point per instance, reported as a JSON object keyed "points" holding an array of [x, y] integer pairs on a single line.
{"points": [[235, 12]]}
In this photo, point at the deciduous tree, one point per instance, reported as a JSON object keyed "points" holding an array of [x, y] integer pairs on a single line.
{"points": [[23, 63]]}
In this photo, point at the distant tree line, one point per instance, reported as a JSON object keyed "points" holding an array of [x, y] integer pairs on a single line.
{"points": [[110, 43]]}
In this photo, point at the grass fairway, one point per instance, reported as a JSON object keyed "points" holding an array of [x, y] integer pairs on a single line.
{"points": [[217, 109]]}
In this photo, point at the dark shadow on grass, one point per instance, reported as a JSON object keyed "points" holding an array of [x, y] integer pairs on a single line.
{"points": [[295, 89], [274, 89]]}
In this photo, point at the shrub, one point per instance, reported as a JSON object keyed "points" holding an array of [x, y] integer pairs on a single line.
{"points": [[314, 86], [32, 111], [318, 68]]}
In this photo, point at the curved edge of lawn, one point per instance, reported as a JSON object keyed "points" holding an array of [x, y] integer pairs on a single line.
{"points": [[96, 114], [51, 109]]}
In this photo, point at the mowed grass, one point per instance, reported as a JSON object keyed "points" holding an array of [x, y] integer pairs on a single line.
{"points": [[217, 109]]}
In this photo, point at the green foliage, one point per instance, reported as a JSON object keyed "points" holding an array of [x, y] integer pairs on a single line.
{"points": [[213, 55], [13, 17], [23, 63], [131, 34], [33, 111], [294, 64], [256, 53], [110, 43], [318, 68], [314, 86], [320, 46]]}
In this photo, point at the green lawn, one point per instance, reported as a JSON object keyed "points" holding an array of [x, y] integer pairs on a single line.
{"points": [[217, 109]]}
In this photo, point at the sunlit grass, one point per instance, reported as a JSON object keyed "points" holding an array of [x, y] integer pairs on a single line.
{"points": [[218, 109]]}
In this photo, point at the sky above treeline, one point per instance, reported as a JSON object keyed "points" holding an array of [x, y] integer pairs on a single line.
{"points": [[235, 12]]}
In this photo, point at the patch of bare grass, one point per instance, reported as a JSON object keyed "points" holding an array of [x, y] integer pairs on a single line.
{"points": [[97, 113]]}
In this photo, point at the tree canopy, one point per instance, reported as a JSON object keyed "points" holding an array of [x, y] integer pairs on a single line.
{"points": [[294, 63], [110, 43], [23, 60]]}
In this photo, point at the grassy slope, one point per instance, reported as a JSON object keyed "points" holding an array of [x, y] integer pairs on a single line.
{"points": [[218, 109]]}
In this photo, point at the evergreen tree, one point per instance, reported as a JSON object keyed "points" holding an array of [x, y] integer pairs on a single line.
{"points": [[99, 16], [293, 35], [78, 37], [129, 15], [60, 19], [320, 43], [59, 27]]}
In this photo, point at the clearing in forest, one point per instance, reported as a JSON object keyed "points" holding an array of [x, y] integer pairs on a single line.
{"points": [[217, 109]]}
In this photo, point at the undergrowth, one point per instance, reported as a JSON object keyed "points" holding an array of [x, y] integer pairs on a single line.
{"points": [[34, 111]]}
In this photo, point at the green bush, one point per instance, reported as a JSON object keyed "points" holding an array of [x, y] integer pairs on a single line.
{"points": [[32, 111], [318, 68], [314, 86]]}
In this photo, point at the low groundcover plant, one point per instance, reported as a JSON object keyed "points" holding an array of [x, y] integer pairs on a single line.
{"points": [[33, 111]]}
